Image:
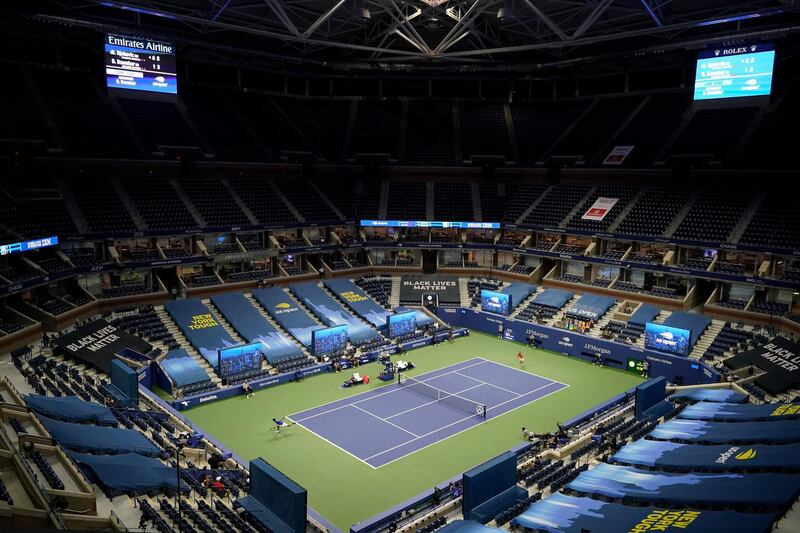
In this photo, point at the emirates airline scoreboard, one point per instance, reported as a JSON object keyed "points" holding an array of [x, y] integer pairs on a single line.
{"points": [[140, 64]]}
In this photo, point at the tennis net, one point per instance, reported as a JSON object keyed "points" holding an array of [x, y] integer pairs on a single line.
{"points": [[451, 399]]}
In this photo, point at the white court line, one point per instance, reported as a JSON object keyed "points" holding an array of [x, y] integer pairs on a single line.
{"points": [[491, 384], [523, 371], [467, 418], [386, 421], [481, 361], [432, 402], [471, 427], [334, 445]]}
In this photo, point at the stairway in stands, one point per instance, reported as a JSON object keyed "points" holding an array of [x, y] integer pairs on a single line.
{"points": [[524, 303], [268, 318], [304, 307], [222, 321], [227, 326], [336, 298], [707, 338], [176, 332], [463, 292], [394, 297], [603, 320]]}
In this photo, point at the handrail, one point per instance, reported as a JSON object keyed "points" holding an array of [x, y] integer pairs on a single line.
{"points": [[116, 522]]}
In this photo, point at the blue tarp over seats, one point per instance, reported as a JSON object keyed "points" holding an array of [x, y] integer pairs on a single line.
{"points": [[71, 409], [249, 323], [331, 312], [467, 526], [555, 298], [518, 292], [764, 491], [130, 472], [644, 314], [573, 514], [734, 412], [99, 439], [694, 322], [591, 306], [423, 319], [709, 395], [200, 327], [182, 368], [359, 301], [781, 431], [287, 313], [698, 457]]}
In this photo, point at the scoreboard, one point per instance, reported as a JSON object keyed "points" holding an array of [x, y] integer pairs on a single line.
{"points": [[437, 224], [635, 365], [734, 72], [24, 246], [140, 65]]}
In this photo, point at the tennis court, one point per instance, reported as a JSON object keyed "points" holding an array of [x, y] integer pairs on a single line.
{"points": [[385, 424]]}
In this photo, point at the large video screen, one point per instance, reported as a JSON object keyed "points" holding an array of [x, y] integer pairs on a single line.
{"points": [[495, 302], [401, 323], [24, 246], [240, 359], [734, 72], [329, 340], [666, 339], [140, 65]]}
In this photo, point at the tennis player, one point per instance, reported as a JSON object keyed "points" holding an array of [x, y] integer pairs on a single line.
{"points": [[282, 423], [521, 357]]}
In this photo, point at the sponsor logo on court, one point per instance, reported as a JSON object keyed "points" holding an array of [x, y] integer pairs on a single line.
{"points": [[723, 458], [283, 308], [744, 456], [600, 349]]}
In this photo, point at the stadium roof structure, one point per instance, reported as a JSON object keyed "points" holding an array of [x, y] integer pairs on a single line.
{"points": [[440, 34]]}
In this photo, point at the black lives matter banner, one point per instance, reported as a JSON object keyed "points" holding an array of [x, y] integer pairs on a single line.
{"points": [[414, 287], [779, 358], [97, 342]]}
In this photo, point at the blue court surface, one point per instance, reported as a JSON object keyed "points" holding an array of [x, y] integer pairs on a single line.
{"points": [[386, 424]]}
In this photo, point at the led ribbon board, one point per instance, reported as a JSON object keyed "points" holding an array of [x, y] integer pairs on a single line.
{"points": [[437, 224], [24, 246]]}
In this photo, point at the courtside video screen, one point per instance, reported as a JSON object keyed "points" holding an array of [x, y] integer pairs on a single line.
{"points": [[140, 65], [734, 72], [401, 324], [329, 340], [666, 339], [238, 359], [495, 302]]}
